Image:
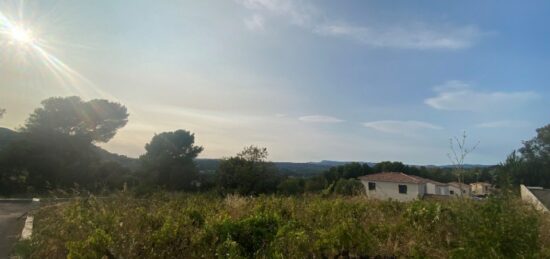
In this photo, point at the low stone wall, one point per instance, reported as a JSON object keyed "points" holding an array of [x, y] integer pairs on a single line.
{"points": [[528, 196]]}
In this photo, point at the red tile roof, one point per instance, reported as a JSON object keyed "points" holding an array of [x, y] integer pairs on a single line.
{"points": [[397, 178]]}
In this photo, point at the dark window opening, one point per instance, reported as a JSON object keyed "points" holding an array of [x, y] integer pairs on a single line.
{"points": [[452, 192], [402, 188], [372, 186]]}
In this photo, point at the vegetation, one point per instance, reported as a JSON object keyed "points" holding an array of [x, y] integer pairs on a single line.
{"points": [[169, 160], [209, 226], [530, 165], [245, 206]]}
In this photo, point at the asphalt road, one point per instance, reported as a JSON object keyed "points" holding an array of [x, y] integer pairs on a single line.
{"points": [[12, 219]]}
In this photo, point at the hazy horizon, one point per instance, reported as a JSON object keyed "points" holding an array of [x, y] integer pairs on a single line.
{"points": [[309, 80]]}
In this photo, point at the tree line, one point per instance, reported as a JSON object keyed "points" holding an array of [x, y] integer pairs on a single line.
{"points": [[56, 149]]}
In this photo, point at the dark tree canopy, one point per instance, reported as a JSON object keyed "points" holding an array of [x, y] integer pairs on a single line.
{"points": [[97, 120], [170, 158], [248, 173]]}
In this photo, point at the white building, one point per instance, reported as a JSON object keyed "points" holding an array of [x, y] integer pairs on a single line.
{"points": [[395, 186], [481, 188], [459, 189], [435, 188]]}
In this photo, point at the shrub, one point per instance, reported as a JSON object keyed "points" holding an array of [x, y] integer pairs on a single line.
{"points": [[205, 226]]}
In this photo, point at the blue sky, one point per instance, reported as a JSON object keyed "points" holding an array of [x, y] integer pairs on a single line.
{"points": [[309, 80]]}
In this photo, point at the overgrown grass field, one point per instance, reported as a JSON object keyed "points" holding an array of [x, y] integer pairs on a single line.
{"points": [[208, 226]]}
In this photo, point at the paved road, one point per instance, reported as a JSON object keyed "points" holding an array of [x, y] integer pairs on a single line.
{"points": [[12, 219]]}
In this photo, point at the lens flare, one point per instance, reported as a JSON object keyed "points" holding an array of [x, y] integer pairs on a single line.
{"points": [[27, 48], [21, 35]]}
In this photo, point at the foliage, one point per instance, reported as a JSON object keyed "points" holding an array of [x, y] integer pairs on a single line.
{"points": [[248, 173], [531, 165], [96, 120], [169, 158], [291, 186], [206, 226], [349, 187], [55, 149]]}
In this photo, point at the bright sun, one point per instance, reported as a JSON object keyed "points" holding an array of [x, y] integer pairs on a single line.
{"points": [[21, 35]]}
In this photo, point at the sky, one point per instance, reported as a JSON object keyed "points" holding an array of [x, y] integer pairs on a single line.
{"points": [[309, 80]]}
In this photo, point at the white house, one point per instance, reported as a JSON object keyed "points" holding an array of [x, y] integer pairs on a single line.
{"points": [[395, 186], [435, 188], [481, 188], [459, 189]]}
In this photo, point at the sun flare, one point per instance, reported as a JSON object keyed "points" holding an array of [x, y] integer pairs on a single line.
{"points": [[21, 35]]}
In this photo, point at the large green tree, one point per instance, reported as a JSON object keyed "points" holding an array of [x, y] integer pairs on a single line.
{"points": [[170, 160], [531, 165], [96, 120], [55, 149]]}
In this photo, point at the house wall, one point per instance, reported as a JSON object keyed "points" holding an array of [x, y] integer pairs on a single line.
{"points": [[480, 188], [390, 190], [442, 189], [456, 190], [432, 188]]}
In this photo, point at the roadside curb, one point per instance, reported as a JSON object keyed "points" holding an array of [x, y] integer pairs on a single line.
{"points": [[27, 229], [26, 233]]}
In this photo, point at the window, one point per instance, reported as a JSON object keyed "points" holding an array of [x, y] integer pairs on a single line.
{"points": [[402, 188], [452, 192], [372, 186]]}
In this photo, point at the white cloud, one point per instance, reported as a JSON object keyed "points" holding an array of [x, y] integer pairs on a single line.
{"points": [[254, 23], [419, 36], [401, 127], [320, 119], [458, 96], [411, 35], [296, 12], [503, 124]]}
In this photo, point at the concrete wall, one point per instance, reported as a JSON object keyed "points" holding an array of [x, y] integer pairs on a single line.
{"points": [[528, 196], [432, 188], [389, 190]]}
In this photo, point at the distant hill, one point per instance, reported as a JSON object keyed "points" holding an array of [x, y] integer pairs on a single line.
{"points": [[7, 136], [132, 163], [209, 165]]}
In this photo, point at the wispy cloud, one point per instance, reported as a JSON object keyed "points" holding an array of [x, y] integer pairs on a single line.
{"points": [[255, 22], [459, 96], [320, 119], [419, 36], [503, 124], [298, 13], [401, 127], [412, 35]]}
